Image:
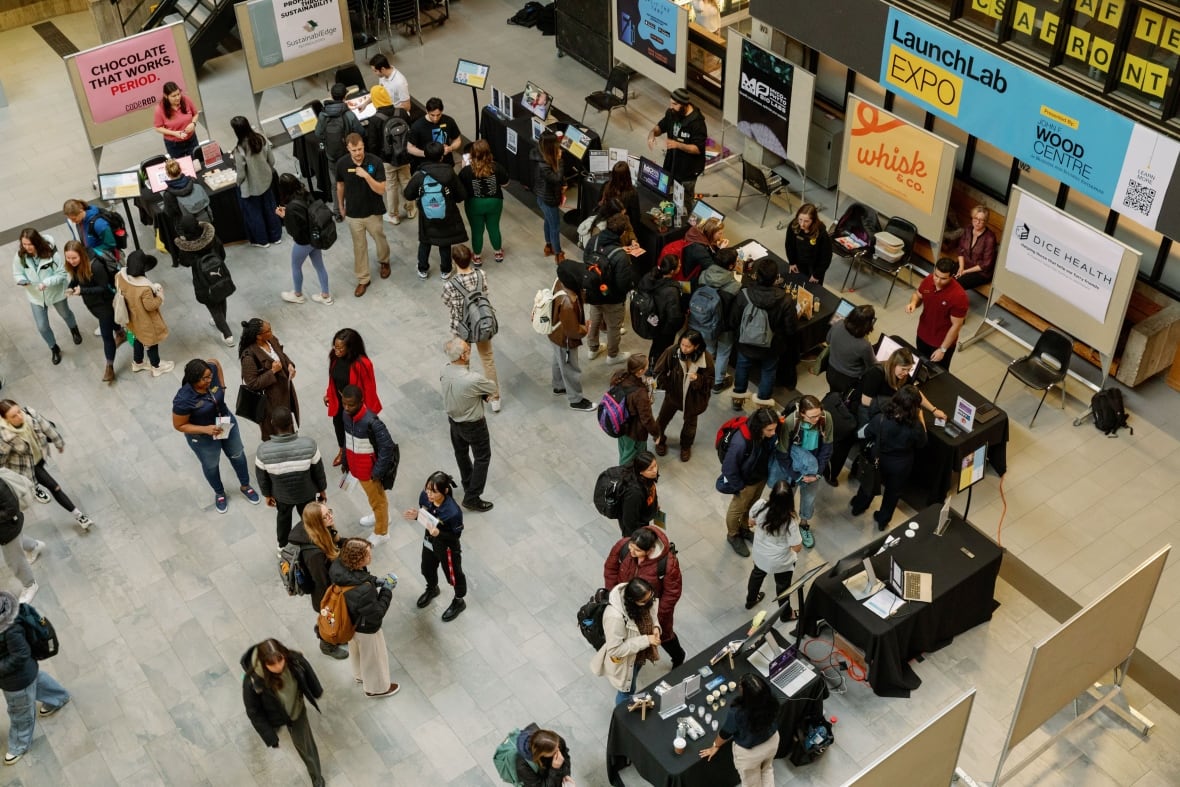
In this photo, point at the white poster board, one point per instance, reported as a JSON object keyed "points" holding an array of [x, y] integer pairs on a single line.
{"points": [[313, 37], [745, 86], [651, 36], [927, 757]]}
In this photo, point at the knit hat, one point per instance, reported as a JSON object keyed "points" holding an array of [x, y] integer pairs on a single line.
{"points": [[380, 96], [9, 606], [681, 96]]}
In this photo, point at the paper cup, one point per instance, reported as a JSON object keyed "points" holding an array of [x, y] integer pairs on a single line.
{"points": [[678, 745]]}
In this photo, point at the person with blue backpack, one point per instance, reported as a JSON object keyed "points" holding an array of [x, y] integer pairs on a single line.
{"points": [[707, 310], [805, 442], [744, 468], [533, 757], [438, 192]]}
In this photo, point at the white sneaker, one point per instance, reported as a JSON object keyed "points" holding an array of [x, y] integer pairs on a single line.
{"points": [[98, 331], [290, 296], [140, 367], [324, 299], [212, 323], [84, 521], [368, 520], [229, 340], [163, 368], [446, 275], [35, 552], [495, 403], [28, 593], [376, 539], [615, 360], [393, 218], [592, 354]]}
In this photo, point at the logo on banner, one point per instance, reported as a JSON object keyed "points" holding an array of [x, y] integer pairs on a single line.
{"points": [[773, 99], [894, 156]]}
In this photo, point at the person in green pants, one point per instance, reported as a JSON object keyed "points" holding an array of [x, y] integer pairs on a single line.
{"points": [[484, 180]]}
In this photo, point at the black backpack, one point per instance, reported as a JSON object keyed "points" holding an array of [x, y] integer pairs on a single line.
{"points": [[643, 311], [527, 16], [607, 277], [335, 128], [394, 134], [390, 477], [590, 618], [320, 224], [608, 492], [118, 226], [213, 278], [39, 632], [1109, 413]]}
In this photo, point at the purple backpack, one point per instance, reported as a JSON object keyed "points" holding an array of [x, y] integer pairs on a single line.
{"points": [[612, 411]]}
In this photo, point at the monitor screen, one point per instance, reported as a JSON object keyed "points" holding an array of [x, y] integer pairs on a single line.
{"points": [[703, 211], [655, 177], [536, 100], [118, 185], [887, 348], [575, 141], [844, 308], [157, 177], [299, 123], [470, 73], [211, 154]]}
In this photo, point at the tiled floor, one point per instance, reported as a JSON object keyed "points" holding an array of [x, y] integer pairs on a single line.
{"points": [[156, 604]]}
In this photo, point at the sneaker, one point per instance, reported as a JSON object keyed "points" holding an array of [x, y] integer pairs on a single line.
{"points": [[324, 299], [229, 340], [591, 354], [338, 217], [476, 260], [393, 218], [446, 275], [290, 296], [726, 381], [46, 711], [251, 495], [393, 688], [98, 331], [477, 504], [739, 404], [739, 545], [585, 405], [278, 242], [10, 758], [140, 367], [807, 536], [411, 214], [221, 504], [423, 274], [26, 595], [377, 539], [260, 245], [424, 600], [499, 256], [556, 392], [747, 534], [452, 612], [615, 360], [368, 520], [41, 495], [335, 651], [84, 521], [163, 368], [35, 552]]}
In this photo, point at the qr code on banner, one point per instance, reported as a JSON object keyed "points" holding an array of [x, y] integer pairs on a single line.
{"points": [[1139, 197]]}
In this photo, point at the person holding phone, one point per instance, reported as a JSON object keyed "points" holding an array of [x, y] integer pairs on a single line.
{"points": [[176, 121]]}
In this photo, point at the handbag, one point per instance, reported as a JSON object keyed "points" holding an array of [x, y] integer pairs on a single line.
{"points": [[869, 473], [250, 404]]}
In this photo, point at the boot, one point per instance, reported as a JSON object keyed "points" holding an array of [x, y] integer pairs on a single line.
{"points": [[76, 334], [335, 651], [548, 250], [109, 375]]}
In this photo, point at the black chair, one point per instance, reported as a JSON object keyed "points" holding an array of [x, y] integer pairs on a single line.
{"points": [[904, 230], [755, 178], [611, 97], [1046, 366], [350, 77]]}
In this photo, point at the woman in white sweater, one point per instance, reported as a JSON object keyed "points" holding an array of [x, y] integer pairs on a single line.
{"points": [[776, 542], [632, 636]]}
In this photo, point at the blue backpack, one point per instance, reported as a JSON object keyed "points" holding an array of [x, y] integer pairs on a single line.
{"points": [[704, 313], [433, 199]]}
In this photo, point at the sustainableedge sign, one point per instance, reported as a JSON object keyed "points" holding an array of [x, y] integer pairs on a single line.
{"points": [[274, 58]]}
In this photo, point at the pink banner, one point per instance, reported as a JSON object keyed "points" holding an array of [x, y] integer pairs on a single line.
{"points": [[129, 74]]}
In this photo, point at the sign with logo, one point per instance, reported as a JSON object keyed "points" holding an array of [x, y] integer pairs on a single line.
{"points": [[287, 29], [1147, 170], [1067, 257], [650, 28], [129, 74], [764, 98], [1044, 125]]}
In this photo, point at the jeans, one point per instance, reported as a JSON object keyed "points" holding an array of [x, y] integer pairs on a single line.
{"points": [[485, 212], [107, 328], [299, 255], [567, 373], [396, 180], [176, 148], [782, 581], [217, 312], [552, 216], [153, 353], [612, 314], [621, 697], [43, 478], [444, 257], [14, 558], [259, 219], [209, 450], [360, 245], [720, 349], [470, 440], [41, 318], [769, 366], [22, 709]]}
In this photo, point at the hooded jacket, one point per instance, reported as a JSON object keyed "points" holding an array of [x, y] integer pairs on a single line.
{"points": [[618, 268], [263, 707], [367, 602], [144, 299], [190, 252], [96, 293], [18, 668], [747, 461], [450, 229], [667, 590], [697, 255], [616, 659], [782, 318], [569, 319], [546, 776], [289, 469], [184, 186], [721, 279], [333, 109], [665, 293], [368, 446]]}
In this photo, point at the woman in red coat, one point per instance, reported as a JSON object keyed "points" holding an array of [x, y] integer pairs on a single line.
{"points": [[649, 555], [348, 364]]}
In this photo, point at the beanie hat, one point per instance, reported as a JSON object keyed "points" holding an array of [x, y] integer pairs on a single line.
{"points": [[681, 96]]}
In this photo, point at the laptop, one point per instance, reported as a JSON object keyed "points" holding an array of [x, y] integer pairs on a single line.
{"points": [[789, 673], [864, 584], [910, 585], [844, 308]]}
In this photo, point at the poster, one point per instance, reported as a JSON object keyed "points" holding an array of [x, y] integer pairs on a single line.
{"points": [[764, 98], [1147, 171], [286, 29], [892, 155], [129, 74], [649, 27], [1068, 257]]}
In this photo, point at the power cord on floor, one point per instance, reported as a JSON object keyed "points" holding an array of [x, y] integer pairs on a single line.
{"points": [[835, 659]]}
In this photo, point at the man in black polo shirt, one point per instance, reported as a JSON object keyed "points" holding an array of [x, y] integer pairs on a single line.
{"points": [[360, 194], [433, 127], [685, 153]]}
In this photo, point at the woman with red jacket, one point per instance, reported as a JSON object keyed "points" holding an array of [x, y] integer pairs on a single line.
{"points": [[649, 555], [348, 364]]}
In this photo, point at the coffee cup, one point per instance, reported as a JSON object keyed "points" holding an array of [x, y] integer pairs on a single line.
{"points": [[678, 745]]}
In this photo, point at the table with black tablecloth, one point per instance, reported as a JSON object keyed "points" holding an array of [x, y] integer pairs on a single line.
{"points": [[494, 128], [647, 745], [963, 597], [652, 238], [223, 204]]}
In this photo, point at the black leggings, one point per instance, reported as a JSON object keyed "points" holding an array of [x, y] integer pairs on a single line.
{"points": [[49, 482]]}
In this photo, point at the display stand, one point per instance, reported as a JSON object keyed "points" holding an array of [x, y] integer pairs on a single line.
{"points": [[475, 76]]}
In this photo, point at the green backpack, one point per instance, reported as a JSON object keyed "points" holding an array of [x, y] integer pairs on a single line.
{"points": [[505, 759]]}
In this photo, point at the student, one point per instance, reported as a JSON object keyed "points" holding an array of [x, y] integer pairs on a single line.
{"points": [[640, 421], [549, 187], [685, 372], [277, 685], [804, 448], [542, 759], [569, 327], [333, 125], [23, 681], [91, 228], [37, 267], [743, 474], [184, 196], [397, 166], [720, 277], [438, 192], [367, 603], [293, 209], [25, 436], [360, 198], [254, 163], [348, 364], [649, 555], [19, 550], [319, 544], [777, 541], [762, 294], [665, 291], [484, 180], [93, 282], [368, 456], [440, 544], [850, 354], [268, 369], [290, 471], [468, 278], [641, 501], [194, 240], [632, 636], [896, 433], [752, 724]]}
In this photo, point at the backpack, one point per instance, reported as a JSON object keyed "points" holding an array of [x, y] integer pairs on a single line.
{"points": [[39, 632], [612, 411], [675, 248], [504, 759], [213, 277], [527, 16], [195, 204], [432, 199], [335, 624], [755, 326], [119, 304], [479, 322], [590, 618], [542, 314], [387, 480], [22, 488], [704, 313], [605, 279], [725, 436], [109, 261], [608, 492], [394, 134], [115, 220], [661, 565], [335, 127], [292, 573], [645, 318], [1109, 413], [320, 224]]}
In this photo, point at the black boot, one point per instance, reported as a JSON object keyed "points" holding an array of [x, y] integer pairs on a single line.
{"points": [[335, 651], [76, 334], [55, 353], [452, 612]]}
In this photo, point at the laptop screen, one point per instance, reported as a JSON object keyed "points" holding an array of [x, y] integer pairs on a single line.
{"points": [[887, 348], [844, 308], [702, 212], [655, 177]]}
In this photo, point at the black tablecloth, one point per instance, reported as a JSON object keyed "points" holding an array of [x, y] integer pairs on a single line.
{"points": [[963, 588], [647, 745], [223, 203], [652, 238], [494, 128]]}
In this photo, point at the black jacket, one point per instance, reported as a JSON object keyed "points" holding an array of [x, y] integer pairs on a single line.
{"points": [[547, 182], [782, 318], [450, 230], [666, 294], [618, 271], [297, 219], [315, 561], [263, 708], [695, 257], [640, 502], [367, 602], [98, 292], [12, 521]]}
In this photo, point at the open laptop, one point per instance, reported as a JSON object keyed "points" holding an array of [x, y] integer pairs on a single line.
{"points": [[910, 585], [789, 673]]}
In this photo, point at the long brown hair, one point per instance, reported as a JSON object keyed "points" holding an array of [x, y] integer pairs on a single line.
{"points": [[899, 357], [41, 246], [317, 530], [544, 744], [550, 150], [807, 209], [271, 651], [83, 271], [482, 163], [619, 185]]}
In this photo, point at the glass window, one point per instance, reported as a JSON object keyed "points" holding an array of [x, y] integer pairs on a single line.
{"points": [[1035, 25], [1146, 242], [954, 134], [1036, 182], [991, 167], [983, 15], [1149, 61], [1090, 37]]}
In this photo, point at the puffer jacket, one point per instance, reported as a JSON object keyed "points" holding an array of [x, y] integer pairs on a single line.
{"points": [[667, 589], [367, 602], [747, 462], [547, 183], [289, 469], [18, 668], [616, 659], [264, 709], [368, 446]]}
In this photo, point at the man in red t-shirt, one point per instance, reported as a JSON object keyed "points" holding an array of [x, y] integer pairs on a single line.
{"points": [[944, 308]]}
